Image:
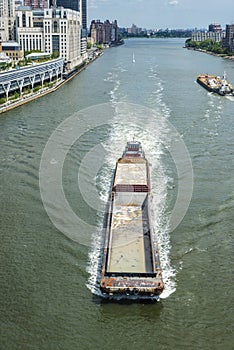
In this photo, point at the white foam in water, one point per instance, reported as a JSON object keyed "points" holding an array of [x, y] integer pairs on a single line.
{"points": [[159, 189], [231, 98], [94, 261], [126, 127]]}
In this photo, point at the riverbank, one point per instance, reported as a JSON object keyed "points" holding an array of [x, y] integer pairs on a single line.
{"points": [[44, 91], [212, 53]]}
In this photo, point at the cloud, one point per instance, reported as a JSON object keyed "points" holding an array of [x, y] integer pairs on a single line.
{"points": [[96, 3], [92, 4], [173, 2]]}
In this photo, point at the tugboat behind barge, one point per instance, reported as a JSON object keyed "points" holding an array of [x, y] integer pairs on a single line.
{"points": [[131, 264]]}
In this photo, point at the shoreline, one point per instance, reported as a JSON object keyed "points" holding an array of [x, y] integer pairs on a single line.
{"points": [[7, 106], [231, 58]]}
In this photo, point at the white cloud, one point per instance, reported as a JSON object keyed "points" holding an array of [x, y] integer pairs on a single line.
{"points": [[95, 3], [173, 2], [92, 4]]}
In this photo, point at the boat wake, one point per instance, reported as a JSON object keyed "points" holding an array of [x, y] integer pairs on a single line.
{"points": [[151, 131], [230, 98], [122, 132]]}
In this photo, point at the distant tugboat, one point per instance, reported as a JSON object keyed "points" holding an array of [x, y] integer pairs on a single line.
{"points": [[216, 84]]}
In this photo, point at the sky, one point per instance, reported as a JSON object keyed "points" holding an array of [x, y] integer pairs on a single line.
{"points": [[172, 14]]}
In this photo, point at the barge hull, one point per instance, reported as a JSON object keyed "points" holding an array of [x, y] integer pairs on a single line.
{"points": [[131, 263]]}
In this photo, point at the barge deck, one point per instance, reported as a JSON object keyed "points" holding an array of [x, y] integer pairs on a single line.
{"points": [[131, 263]]}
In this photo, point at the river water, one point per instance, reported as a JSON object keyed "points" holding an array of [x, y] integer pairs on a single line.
{"points": [[57, 159]]}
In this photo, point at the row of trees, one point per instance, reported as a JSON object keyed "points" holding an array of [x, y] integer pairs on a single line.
{"points": [[173, 33], [207, 45], [160, 34]]}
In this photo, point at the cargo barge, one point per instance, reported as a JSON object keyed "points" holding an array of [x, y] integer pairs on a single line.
{"points": [[216, 84], [131, 263]]}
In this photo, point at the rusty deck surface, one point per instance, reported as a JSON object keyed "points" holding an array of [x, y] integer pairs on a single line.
{"points": [[131, 172], [129, 245]]}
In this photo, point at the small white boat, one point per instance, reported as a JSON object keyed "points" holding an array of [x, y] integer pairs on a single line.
{"points": [[133, 58]]}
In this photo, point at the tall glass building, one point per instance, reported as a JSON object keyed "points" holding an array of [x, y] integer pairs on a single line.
{"points": [[69, 4], [84, 13], [77, 5]]}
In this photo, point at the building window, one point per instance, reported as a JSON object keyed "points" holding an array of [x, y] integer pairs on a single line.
{"points": [[55, 43], [23, 20], [55, 27]]}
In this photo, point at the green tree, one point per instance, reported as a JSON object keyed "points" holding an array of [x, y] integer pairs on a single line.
{"points": [[55, 54], [207, 45]]}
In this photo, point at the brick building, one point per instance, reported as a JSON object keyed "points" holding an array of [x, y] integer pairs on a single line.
{"points": [[104, 32]]}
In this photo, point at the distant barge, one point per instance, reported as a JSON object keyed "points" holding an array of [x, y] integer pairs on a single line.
{"points": [[131, 264], [216, 84]]}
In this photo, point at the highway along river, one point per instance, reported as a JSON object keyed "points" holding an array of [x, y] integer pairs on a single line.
{"points": [[57, 159]]}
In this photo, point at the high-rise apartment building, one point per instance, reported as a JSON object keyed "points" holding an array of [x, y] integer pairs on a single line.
{"points": [[51, 30], [7, 20], [228, 42], [104, 33], [202, 36], [81, 6], [215, 27]]}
